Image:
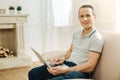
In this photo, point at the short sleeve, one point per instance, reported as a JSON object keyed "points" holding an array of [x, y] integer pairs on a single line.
{"points": [[96, 44]]}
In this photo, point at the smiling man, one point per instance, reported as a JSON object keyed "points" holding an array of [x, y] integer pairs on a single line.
{"points": [[81, 57]]}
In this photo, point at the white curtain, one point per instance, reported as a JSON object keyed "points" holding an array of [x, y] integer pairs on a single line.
{"points": [[46, 18], [47, 23], [52, 18]]}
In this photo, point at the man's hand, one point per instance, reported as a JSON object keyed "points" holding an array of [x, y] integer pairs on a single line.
{"points": [[56, 70], [57, 61]]}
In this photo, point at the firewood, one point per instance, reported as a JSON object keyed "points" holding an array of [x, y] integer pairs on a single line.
{"points": [[5, 52], [1, 48]]}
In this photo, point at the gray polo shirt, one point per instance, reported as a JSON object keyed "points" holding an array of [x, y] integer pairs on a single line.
{"points": [[92, 41]]}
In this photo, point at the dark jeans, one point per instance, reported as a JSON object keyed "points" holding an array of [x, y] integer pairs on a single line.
{"points": [[41, 73]]}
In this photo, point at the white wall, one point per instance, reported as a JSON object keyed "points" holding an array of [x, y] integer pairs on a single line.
{"points": [[106, 14], [4, 4]]}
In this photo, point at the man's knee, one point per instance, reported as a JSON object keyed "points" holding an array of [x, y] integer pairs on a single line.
{"points": [[31, 75], [31, 72]]}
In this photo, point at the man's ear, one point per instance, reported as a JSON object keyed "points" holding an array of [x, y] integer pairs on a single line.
{"points": [[94, 15]]}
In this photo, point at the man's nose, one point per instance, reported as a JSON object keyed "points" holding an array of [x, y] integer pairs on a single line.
{"points": [[85, 18]]}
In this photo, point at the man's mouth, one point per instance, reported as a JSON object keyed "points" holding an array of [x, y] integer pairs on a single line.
{"points": [[85, 23]]}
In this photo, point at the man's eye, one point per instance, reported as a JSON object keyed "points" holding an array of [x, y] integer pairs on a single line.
{"points": [[81, 16], [87, 15]]}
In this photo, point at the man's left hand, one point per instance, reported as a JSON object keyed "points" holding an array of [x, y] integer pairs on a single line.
{"points": [[56, 70]]}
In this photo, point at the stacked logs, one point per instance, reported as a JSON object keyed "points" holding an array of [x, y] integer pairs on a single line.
{"points": [[5, 52]]}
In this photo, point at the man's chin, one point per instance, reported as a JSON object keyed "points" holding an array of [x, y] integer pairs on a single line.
{"points": [[87, 28]]}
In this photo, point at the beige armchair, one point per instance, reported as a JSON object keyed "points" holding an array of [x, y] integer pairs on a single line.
{"points": [[108, 67]]}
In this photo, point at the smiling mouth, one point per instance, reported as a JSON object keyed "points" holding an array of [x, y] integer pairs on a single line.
{"points": [[86, 23]]}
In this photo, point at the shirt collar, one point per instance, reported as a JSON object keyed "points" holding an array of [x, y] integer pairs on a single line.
{"points": [[90, 33]]}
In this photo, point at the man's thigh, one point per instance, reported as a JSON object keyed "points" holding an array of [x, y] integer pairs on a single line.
{"points": [[71, 75]]}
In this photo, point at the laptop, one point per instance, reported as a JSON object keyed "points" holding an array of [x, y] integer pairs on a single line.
{"points": [[46, 62]]}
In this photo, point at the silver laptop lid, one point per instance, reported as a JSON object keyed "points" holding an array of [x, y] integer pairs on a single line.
{"points": [[38, 55]]}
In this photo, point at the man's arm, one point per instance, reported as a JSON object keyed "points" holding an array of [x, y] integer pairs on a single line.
{"points": [[87, 66], [68, 53], [62, 59]]}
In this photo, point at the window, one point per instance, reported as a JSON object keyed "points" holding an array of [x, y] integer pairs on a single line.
{"points": [[62, 11]]}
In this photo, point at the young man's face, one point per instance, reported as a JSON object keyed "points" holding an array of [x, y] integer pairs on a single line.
{"points": [[86, 17]]}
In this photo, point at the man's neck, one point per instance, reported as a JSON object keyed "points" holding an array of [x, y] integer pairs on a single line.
{"points": [[85, 31]]}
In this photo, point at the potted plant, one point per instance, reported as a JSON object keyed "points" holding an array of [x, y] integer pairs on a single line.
{"points": [[11, 9], [19, 8]]}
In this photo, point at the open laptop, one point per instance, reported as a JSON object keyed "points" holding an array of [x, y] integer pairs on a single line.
{"points": [[46, 61]]}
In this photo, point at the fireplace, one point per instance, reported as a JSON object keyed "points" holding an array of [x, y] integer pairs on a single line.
{"points": [[12, 38]]}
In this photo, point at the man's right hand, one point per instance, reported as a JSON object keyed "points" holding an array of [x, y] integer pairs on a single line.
{"points": [[57, 61]]}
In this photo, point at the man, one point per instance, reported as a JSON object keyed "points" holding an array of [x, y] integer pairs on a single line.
{"points": [[82, 56]]}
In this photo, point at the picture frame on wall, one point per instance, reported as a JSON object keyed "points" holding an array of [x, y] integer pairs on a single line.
{"points": [[2, 11]]}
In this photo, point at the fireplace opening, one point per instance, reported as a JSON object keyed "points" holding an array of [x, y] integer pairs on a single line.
{"points": [[6, 53], [8, 42]]}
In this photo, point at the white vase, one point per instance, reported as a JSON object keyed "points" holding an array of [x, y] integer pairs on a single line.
{"points": [[12, 12], [18, 12]]}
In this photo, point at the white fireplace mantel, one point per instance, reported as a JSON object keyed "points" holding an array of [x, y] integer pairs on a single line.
{"points": [[16, 18], [16, 22]]}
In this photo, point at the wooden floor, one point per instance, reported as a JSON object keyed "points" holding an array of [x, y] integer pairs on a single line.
{"points": [[17, 73]]}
